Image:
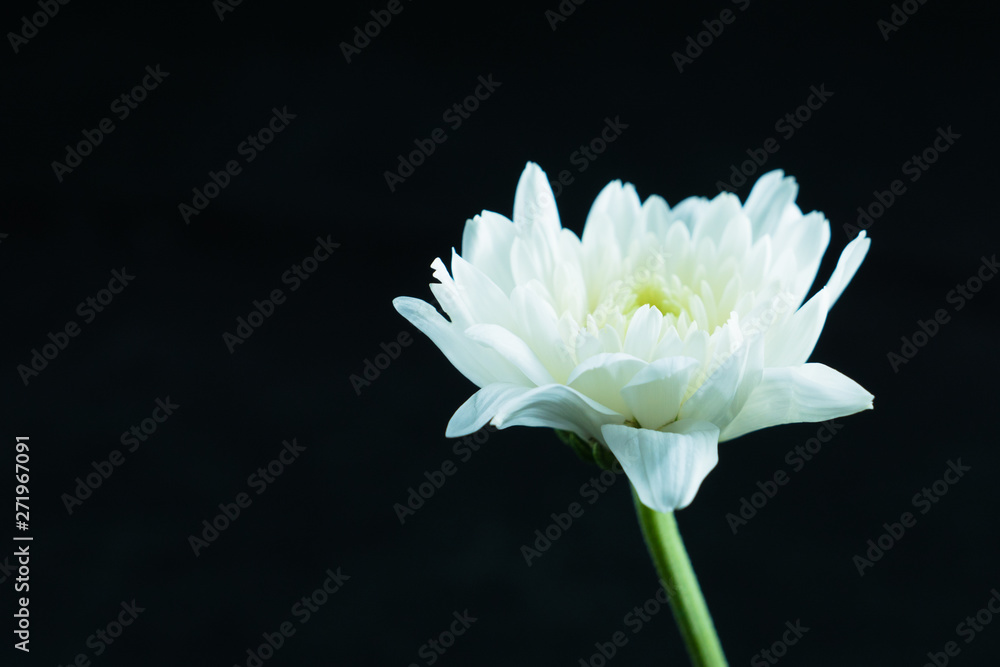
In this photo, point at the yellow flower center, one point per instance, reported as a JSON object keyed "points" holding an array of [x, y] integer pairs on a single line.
{"points": [[655, 292]]}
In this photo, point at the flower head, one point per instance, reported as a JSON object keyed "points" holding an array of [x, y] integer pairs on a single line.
{"points": [[659, 334]]}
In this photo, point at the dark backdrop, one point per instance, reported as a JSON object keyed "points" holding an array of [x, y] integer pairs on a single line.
{"points": [[684, 126]]}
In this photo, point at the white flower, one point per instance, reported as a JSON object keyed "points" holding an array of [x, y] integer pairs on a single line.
{"points": [[661, 333]]}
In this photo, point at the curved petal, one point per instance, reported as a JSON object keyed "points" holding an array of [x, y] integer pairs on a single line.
{"points": [[486, 243], [482, 369], [534, 253], [608, 232], [538, 325], [805, 240], [484, 300], [666, 467], [480, 408], [615, 214], [557, 406], [717, 217], [729, 387], [512, 348], [807, 393], [534, 203], [656, 215], [767, 200], [602, 377], [643, 332], [655, 393], [791, 343], [848, 264]]}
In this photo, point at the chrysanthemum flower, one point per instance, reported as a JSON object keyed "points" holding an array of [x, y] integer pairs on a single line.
{"points": [[659, 334]]}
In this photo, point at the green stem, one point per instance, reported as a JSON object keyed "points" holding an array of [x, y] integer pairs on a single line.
{"points": [[674, 567]]}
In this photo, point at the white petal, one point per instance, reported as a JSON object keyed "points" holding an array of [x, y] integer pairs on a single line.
{"points": [[677, 244], [486, 244], [557, 406], [643, 332], [721, 397], [656, 215], [758, 263], [512, 348], [534, 203], [737, 237], [539, 327], [716, 218], [481, 407], [791, 342], [531, 257], [608, 233], [655, 393], [696, 345], [617, 209], [482, 369], [807, 393], [602, 377], [767, 201], [698, 314], [670, 345], [689, 210], [448, 296], [569, 283], [848, 265], [586, 345], [486, 302], [665, 467], [806, 239]]}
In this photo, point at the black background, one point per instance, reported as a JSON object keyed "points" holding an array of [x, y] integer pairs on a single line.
{"points": [[324, 176]]}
